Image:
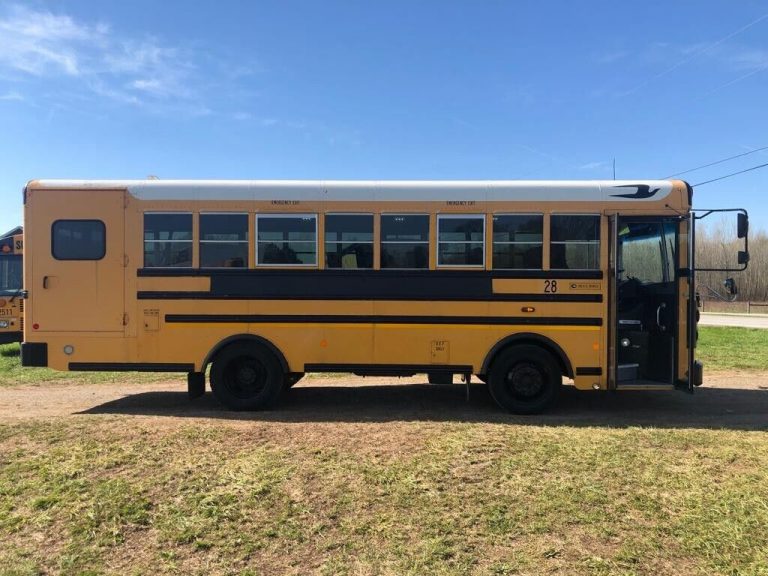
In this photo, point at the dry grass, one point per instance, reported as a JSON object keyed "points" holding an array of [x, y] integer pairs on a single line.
{"points": [[122, 495], [126, 493]]}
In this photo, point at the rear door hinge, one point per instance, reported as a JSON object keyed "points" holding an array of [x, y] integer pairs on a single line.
{"points": [[125, 319], [125, 260]]}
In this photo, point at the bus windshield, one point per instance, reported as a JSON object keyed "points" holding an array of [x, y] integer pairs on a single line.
{"points": [[10, 274]]}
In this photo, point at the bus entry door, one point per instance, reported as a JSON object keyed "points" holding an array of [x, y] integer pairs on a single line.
{"points": [[77, 260], [646, 301]]}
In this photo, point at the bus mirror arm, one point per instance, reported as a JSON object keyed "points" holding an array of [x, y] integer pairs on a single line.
{"points": [[742, 232]]}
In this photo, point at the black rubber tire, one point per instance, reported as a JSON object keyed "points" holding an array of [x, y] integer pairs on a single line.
{"points": [[246, 376], [525, 379], [292, 378], [440, 377]]}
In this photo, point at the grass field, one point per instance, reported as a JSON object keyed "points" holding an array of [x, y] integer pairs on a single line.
{"points": [[272, 494], [11, 372], [724, 348]]}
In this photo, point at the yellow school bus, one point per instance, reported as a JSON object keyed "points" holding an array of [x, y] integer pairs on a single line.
{"points": [[11, 301], [520, 283]]}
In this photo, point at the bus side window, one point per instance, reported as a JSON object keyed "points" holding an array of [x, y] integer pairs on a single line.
{"points": [[167, 239], [287, 239], [405, 241], [460, 240], [574, 242], [223, 240], [349, 241], [518, 241]]}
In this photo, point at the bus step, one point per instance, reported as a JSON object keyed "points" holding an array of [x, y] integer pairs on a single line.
{"points": [[627, 372]]}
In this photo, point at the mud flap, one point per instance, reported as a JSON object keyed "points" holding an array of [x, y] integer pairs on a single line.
{"points": [[195, 384]]}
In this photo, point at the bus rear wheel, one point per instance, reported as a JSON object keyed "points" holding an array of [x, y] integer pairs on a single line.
{"points": [[246, 376], [525, 379]]}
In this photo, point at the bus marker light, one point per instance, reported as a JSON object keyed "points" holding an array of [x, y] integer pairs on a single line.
{"points": [[69, 349], [528, 309], [595, 386]]}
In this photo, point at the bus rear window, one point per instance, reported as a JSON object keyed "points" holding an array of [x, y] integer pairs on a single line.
{"points": [[10, 273], [78, 240]]}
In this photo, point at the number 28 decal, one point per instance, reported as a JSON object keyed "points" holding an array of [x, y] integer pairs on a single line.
{"points": [[550, 286]]}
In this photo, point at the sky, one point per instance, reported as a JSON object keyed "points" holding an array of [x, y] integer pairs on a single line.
{"points": [[387, 90]]}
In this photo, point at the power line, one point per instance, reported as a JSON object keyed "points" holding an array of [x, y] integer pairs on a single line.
{"points": [[694, 54], [716, 162], [733, 174]]}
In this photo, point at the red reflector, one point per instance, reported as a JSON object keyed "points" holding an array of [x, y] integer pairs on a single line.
{"points": [[35, 326]]}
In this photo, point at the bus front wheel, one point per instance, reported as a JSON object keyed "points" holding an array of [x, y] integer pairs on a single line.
{"points": [[246, 376], [525, 379]]}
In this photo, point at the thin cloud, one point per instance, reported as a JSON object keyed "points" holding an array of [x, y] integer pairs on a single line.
{"points": [[611, 57], [41, 43], [695, 52], [38, 44], [590, 166], [12, 97]]}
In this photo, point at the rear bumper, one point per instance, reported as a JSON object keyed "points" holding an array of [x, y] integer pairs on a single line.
{"points": [[8, 337], [34, 354]]}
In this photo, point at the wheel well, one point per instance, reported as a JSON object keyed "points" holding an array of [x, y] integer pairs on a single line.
{"points": [[252, 338], [533, 339]]}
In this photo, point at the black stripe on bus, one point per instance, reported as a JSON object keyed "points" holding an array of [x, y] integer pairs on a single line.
{"points": [[129, 367], [438, 285], [311, 295], [352, 319], [313, 273], [387, 369], [589, 371]]}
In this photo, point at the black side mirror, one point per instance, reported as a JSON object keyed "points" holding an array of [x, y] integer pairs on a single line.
{"points": [[742, 225], [743, 257], [730, 287]]}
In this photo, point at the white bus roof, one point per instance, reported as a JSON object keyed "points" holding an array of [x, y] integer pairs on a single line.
{"points": [[381, 190]]}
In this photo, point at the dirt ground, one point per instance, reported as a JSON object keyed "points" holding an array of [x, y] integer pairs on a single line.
{"points": [[730, 400]]}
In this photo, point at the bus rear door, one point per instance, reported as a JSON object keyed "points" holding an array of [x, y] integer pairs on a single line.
{"points": [[75, 253]]}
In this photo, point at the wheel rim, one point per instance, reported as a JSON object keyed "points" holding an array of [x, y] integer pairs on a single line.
{"points": [[526, 381], [245, 377]]}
